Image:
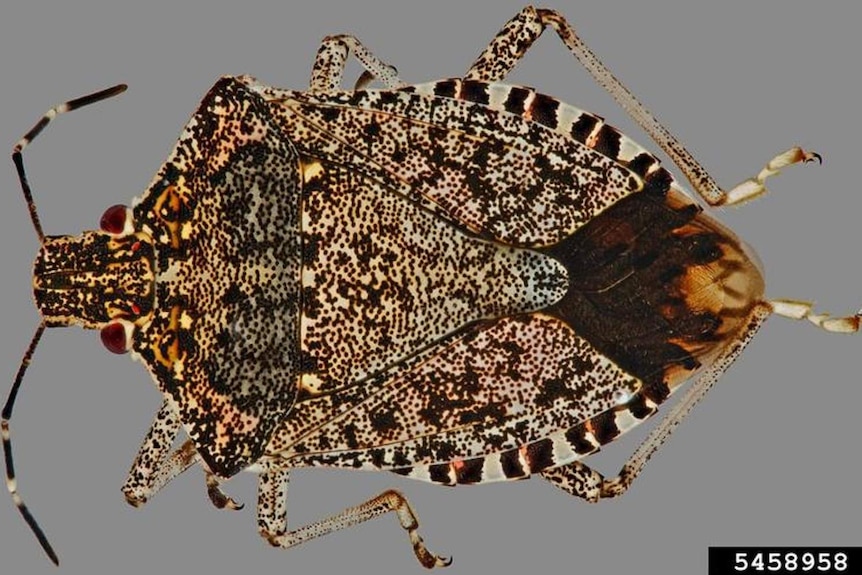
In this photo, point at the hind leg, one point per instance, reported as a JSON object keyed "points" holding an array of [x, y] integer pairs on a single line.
{"points": [[517, 36]]}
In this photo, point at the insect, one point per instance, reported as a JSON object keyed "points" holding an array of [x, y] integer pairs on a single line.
{"points": [[460, 282]]}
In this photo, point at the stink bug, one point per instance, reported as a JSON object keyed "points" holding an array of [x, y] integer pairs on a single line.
{"points": [[500, 215]]}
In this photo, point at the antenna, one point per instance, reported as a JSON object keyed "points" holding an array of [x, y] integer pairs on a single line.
{"points": [[5, 432], [35, 130]]}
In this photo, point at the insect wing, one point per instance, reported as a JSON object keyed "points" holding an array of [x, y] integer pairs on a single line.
{"points": [[497, 174], [514, 378], [498, 386]]}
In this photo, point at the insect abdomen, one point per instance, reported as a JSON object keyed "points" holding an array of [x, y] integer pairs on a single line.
{"points": [[657, 286]]}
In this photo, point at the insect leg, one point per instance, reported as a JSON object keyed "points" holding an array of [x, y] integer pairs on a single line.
{"points": [[508, 47], [328, 69], [805, 310], [754, 187], [218, 497], [272, 504], [272, 517], [152, 468], [516, 37], [582, 478], [577, 479]]}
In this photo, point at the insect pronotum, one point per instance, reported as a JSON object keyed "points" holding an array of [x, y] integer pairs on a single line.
{"points": [[461, 282]]}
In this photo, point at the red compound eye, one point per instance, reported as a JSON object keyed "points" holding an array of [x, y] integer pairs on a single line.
{"points": [[114, 219], [114, 337]]}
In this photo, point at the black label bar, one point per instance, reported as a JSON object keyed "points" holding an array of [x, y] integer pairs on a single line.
{"points": [[785, 560]]}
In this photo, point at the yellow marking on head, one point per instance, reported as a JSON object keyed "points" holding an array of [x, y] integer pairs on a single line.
{"points": [[168, 207], [167, 348]]}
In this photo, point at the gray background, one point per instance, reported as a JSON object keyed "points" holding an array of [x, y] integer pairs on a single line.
{"points": [[771, 457]]}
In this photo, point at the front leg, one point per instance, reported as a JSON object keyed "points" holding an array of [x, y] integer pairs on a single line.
{"points": [[218, 497], [152, 468]]}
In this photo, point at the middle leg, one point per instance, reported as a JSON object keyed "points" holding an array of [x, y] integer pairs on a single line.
{"points": [[331, 59], [272, 517]]}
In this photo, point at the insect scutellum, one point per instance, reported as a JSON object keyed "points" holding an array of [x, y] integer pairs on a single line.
{"points": [[460, 282]]}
